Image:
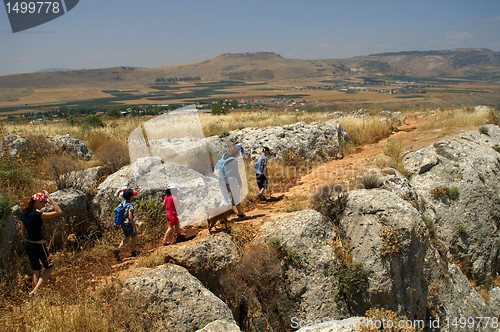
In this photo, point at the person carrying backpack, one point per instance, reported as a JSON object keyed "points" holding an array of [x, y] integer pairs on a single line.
{"points": [[228, 175], [126, 209]]}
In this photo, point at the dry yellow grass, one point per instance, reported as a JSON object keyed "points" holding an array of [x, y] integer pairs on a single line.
{"points": [[448, 120], [366, 130]]}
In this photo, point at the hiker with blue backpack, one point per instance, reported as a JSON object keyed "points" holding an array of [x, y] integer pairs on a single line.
{"points": [[227, 172], [124, 217]]}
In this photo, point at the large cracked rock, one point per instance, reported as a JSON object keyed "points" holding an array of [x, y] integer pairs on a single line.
{"points": [[177, 300], [458, 180]]}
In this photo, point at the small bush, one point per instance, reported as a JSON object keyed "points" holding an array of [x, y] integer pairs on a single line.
{"points": [[444, 193], [394, 150], [370, 181], [391, 241], [14, 173], [254, 290], [290, 255], [330, 200], [483, 130], [430, 226], [151, 214], [291, 158], [61, 166], [92, 121], [4, 210], [353, 285], [462, 231]]}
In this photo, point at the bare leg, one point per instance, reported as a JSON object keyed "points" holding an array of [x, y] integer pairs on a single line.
{"points": [[168, 234], [36, 276], [238, 208], [133, 242], [42, 279]]}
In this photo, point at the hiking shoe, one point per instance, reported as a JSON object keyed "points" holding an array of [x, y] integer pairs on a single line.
{"points": [[167, 243], [116, 252], [134, 253], [262, 197]]}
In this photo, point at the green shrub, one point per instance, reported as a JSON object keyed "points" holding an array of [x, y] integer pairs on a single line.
{"points": [[444, 193], [483, 130], [93, 121], [151, 214], [353, 285], [290, 255], [429, 223], [462, 230], [13, 173], [4, 210]]}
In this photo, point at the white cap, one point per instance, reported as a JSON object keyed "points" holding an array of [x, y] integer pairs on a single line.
{"points": [[172, 186]]}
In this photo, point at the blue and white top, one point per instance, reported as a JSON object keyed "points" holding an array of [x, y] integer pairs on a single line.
{"points": [[261, 164]]}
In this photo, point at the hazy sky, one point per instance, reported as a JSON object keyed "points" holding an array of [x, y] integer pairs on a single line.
{"points": [[107, 33]]}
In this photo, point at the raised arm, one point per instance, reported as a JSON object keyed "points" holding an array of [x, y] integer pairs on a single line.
{"points": [[57, 210]]}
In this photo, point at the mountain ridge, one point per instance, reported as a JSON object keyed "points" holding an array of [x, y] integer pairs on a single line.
{"points": [[470, 63]]}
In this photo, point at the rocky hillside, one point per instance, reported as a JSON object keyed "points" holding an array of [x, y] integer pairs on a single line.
{"points": [[476, 64], [420, 245]]}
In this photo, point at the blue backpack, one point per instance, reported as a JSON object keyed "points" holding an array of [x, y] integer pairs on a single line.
{"points": [[120, 210], [220, 165]]}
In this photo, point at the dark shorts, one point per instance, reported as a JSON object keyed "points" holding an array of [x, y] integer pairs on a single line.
{"points": [[261, 181], [128, 230], [37, 253]]}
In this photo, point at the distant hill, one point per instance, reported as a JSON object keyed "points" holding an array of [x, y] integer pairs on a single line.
{"points": [[471, 63]]}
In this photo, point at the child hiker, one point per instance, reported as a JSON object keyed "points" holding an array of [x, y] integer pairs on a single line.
{"points": [[128, 225], [261, 172], [169, 203]]}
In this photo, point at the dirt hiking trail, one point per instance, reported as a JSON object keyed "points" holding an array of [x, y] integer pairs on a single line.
{"points": [[410, 135]]}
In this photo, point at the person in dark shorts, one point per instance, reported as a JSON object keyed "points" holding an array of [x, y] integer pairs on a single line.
{"points": [[261, 172], [32, 232], [128, 225]]}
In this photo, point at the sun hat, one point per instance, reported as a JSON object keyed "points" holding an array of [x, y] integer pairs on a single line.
{"points": [[127, 193], [39, 197], [172, 186]]}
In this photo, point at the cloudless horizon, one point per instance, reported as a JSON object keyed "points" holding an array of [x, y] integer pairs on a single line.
{"points": [[110, 33]]}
